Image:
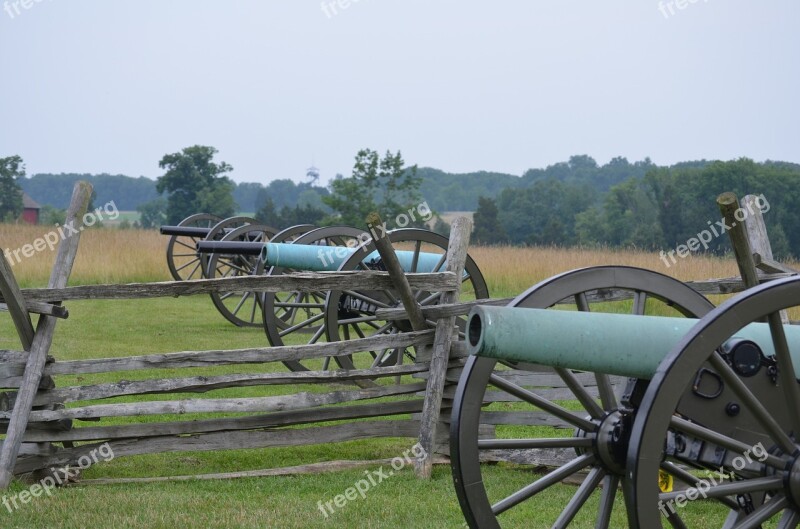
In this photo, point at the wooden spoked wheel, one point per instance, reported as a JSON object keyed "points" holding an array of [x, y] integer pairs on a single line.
{"points": [[738, 421], [182, 258], [243, 309], [571, 423], [297, 317]]}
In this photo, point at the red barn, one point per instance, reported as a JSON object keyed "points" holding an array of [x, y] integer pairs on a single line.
{"points": [[30, 212]]}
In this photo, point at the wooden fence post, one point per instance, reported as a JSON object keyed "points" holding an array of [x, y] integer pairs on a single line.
{"points": [[728, 206], [43, 338], [445, 328]]}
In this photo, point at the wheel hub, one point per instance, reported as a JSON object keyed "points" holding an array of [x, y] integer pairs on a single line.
{"points": [[611, 442]]}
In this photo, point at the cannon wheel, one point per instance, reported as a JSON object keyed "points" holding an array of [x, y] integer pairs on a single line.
{"points": [[517, 494], [289, 316], [243, 309], [775, 422], [348, 323], [182, 258]]}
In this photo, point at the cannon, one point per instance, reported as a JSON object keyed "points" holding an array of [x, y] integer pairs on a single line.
{"points": [[690, 413], [183, 261]]}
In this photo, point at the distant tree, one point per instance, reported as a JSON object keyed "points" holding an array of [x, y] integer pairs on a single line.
{"points": [[268, 214], [286, 216], [195, 184], [377, 184], [11, 170], [487, 229], [441, 226], [152, 214]]}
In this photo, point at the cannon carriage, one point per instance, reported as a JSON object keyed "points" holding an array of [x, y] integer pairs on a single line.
{"points": [[684, 413]]}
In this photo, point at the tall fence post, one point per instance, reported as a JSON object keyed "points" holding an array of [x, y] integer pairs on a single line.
{"points": [[445, 328], [43, 338], [729, 206]]}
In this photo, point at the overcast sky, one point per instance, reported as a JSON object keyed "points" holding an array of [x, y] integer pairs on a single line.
{"points": [[463, 85]]}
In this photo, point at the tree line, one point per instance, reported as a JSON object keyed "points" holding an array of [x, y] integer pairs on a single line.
{"points": [[574, 203], [661, 208]]}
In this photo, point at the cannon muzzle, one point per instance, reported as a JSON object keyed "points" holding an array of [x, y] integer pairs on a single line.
{"points": [[184, 231], [614, 344]]}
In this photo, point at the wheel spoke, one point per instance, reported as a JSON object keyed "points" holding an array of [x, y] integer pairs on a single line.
{"points": [[544, 482], [639, 303], [610, 484], [415, 259], [542, 403], [578, 500], [764, 512], [580, 392], [790, 519], [190, 263], [255, 307], [240, 304], [193, 248], [302, 324]]}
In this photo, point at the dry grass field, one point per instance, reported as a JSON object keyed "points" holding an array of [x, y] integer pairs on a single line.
{"points": [[122, 256]]}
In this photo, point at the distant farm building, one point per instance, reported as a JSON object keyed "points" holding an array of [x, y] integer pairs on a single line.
{"points": [[30, 212]]}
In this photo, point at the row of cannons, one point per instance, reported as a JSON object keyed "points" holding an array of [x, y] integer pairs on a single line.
{"points": [[204, 246], [668, 411]]}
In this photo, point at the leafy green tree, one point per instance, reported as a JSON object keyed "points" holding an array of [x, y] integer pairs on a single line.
{"points": [[486, 227], [544, 213], [195, 184], [152, 214], [11, 170], [377, 184]]}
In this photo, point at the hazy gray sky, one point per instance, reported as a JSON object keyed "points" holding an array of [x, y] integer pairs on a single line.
{"points": [[111, 86]]}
